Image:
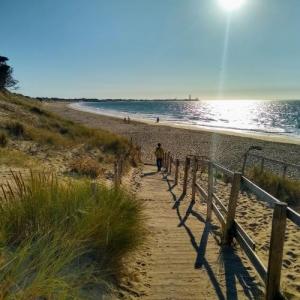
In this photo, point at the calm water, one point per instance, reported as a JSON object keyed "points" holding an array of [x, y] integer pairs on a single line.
{"points": [[277, 117]]}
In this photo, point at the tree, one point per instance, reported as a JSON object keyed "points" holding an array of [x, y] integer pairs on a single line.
{"points": [[6, 77]]}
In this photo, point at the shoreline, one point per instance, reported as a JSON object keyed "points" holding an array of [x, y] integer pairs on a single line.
{"points": [[264, 136], [224, 148]]}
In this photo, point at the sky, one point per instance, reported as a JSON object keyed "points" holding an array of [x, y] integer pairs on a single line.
{"points": [[153, 48]]}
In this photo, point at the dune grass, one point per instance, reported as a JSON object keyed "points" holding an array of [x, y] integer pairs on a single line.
{"points": [[37, 124], [284, 189], [16, 158], [60, 239]]}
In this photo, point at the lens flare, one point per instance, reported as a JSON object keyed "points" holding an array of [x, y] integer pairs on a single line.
{"points": [[231, 5]]}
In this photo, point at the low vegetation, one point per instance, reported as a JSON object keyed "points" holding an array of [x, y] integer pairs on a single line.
{"points": [[3, 139], [86, 166], [66, 238], [15, 158], [38, 125], [284, 189], [62, 239]]}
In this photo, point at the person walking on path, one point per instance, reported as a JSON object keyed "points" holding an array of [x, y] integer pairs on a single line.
{"points": [[159, 154]]}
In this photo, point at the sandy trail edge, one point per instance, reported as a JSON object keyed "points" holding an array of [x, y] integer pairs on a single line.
{"points": [[184, 260]]}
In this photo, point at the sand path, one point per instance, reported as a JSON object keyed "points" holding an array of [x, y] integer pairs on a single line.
{"points": [[184, 259]]}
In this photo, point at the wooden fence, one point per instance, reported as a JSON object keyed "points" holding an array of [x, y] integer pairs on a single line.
{"points": [[230, 226], [284, 169]]}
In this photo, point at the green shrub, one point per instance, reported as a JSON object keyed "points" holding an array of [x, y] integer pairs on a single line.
{"points": [[3, 139], [16, 129], [284, 189], [38, 111], [55, 228]]}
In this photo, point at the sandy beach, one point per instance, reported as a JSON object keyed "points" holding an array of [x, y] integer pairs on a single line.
{"points": [[224, 147]]}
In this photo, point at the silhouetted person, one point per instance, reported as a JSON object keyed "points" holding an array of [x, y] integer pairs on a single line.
{"points": [[159, 154], [157, 120]]}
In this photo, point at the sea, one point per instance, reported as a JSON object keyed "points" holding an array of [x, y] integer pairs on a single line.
{"points": [[253, 116]]}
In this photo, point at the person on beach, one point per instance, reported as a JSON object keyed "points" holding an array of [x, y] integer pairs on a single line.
{"points": [[157, 120], [159, 154]]}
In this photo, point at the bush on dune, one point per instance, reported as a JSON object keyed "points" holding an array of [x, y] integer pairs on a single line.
{"points": [[79, 229], [3, 139], [284, 189], [86, 166], [16, 129]]}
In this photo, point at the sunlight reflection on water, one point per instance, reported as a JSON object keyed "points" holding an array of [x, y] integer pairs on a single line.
{"points": [[282, 117]]}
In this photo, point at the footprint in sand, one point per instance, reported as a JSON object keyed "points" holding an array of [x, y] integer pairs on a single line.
{"points": [[293, 255]]}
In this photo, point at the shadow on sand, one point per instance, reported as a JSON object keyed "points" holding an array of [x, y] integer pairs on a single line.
{"points": [[230, 263], [149, 174]]}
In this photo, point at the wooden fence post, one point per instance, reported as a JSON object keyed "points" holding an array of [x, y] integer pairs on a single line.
{"points": [[120, 170], [235, 189], [116, 180], [186, 171], [244, 163], [262, 164], [139, 153], [176, 171], [210, 191], [170, 165], [94, 187], [195, 169], [284, 171], [167, 161], [276, 251]]}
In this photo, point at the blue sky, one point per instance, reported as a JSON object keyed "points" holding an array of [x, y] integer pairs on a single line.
{"points": [[152, 48]]}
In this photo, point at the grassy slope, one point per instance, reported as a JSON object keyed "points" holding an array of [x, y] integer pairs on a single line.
{"points": [[23, 117], [60, 239]]}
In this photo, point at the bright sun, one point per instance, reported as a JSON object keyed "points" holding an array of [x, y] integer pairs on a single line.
{"points": [[231, 5]]}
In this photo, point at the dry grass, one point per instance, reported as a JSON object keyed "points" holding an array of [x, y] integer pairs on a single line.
{"points": [[284, 189], [15, 158], [86, 166]]}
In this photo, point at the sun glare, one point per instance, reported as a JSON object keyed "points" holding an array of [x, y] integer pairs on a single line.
{"points": [[231, 5]]}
